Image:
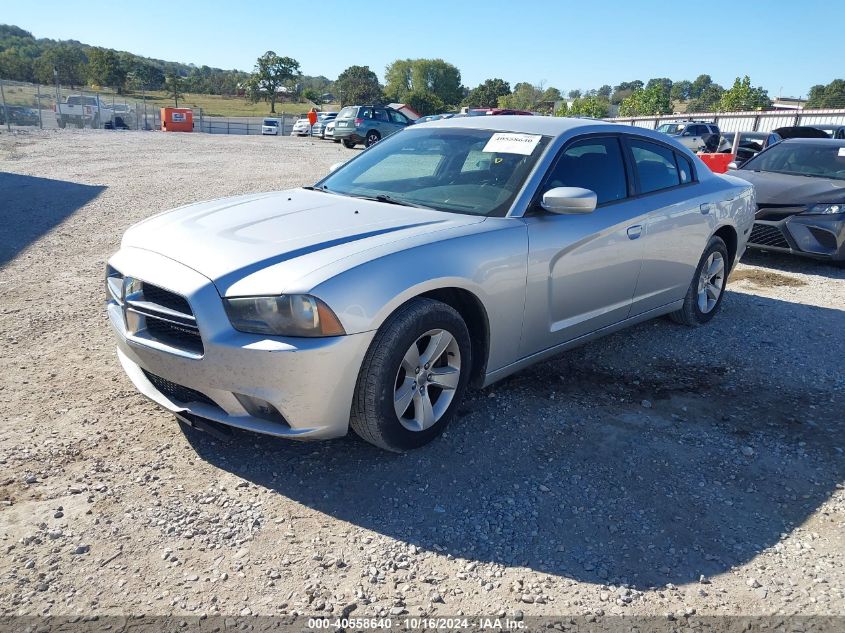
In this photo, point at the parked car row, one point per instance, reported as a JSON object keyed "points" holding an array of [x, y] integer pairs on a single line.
{"points": [[19, 115]]}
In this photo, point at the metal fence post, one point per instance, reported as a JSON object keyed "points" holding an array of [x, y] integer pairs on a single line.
{"points": [[40, 121], [5, 109], [98, 110]]}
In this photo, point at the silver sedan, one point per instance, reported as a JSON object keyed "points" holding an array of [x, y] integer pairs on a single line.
{"points": [[447, 256]]}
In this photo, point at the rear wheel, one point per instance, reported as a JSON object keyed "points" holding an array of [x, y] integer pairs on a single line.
{"points": [[372, 138], [348, 144], [413, 376], [704, 296]]}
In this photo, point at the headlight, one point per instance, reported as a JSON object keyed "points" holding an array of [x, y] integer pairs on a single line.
{"points": [[826, 209], [287, 315]]}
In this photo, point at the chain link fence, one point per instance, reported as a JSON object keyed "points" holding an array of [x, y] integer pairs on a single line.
{"points": [[30, 105]]}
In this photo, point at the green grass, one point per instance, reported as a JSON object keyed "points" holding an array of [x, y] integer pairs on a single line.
{"points": [[212, 105]]}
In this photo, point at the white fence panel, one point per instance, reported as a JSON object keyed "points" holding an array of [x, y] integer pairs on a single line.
{"points": [[769, 123], [736, 124]]}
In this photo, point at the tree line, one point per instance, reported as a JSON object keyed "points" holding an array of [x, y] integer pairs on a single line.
{"points": [[429, 86]]}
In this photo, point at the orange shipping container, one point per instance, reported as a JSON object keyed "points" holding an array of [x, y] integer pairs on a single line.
{"points": [[177, 120]]}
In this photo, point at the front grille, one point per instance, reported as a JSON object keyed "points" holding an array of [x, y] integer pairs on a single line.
{"points": [[164, 316], [178, 393], [767, 235]]}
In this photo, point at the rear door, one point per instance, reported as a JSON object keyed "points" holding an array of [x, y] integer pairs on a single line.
{"points": [[678, 224], [583, 269]]}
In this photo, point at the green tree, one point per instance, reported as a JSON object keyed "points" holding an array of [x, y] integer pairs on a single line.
{"points": [[105, 69], [664, 82], [697, 87], [312, 95], [742, 96], [593, 106], [358, 85], [272, 72], [647, 101], [604, 92], [69, 62], [525, 96], [174, 86], [708, 100], [425, 102], [830, 96], [434, 76], [680, 90], [574, 94], [15, 65], [625, 90], [486, 95]]}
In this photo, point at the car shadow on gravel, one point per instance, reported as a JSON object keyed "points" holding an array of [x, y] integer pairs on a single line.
{"points": [[619, 462], [792, 264], [30, 207]]}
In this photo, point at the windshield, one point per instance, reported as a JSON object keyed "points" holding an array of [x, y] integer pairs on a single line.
{"points": [[478, 172], [271, 123], [671, 128], [821, 160]]}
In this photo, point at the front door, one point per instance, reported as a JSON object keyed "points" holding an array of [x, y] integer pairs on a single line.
{"points": [[583, 269]]}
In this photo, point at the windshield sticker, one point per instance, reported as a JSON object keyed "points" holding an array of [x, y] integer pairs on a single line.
{"points": [[505, 143], [841, 152]]}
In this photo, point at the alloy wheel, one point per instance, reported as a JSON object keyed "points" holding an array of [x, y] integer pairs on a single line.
{"points": [[711, 282], [427, 379]]}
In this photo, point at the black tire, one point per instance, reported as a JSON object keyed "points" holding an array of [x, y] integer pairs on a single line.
{"points": [[348, 144], [336, 140], [372, 138], [691, 313], [62, 123], [373, 416]]}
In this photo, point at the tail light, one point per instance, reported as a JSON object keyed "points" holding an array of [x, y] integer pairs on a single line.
{"points": [[359, 122]]}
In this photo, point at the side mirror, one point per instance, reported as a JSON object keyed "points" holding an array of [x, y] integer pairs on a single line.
{"points": [[336, 166], [732, 166], [569, 200]]}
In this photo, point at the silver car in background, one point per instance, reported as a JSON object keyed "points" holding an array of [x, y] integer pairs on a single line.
{"points": [[449, 255]]}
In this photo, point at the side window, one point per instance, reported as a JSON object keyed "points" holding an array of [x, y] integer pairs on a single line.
{"points": [[655, 164], [595, 164], [398, 117], [365, 113], [684, 168], [380, 115]]}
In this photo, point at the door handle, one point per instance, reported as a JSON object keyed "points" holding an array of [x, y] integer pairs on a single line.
{"points": [[705, 207], [635, 231]]}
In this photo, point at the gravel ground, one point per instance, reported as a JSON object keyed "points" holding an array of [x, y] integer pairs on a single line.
{"points": [[662, 470]]}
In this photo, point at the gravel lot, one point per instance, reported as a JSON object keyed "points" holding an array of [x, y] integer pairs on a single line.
{"points": [[662, 470]]}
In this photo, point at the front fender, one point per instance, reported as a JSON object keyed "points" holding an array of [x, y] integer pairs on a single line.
{"points": [[490, 264]]}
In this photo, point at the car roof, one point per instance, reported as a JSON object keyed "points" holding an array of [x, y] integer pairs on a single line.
{"points": [[547, 125], [833, 142]]}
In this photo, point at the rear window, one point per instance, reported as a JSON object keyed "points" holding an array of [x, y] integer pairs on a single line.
{"points": [[655, 166], [348, 112]]}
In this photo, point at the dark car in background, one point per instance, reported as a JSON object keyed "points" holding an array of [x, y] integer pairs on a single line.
{"points": [[19, 115], [750, 144], [367, 124], [800, 186], [497, 112], [832, 131]]}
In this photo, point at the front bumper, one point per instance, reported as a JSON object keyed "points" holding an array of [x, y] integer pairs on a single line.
{"points": [[814, 236], [309, 382]]}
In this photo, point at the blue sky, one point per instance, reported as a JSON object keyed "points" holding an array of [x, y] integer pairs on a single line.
{"points": [[566, 45]]}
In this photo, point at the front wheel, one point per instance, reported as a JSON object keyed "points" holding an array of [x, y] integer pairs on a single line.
{"points": [[413, 376], [704, 296]]}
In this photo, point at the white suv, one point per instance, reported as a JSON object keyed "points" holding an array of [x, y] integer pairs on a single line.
{"points": [[697, 135]]}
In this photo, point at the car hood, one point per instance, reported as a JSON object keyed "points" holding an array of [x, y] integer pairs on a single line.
{"points": [[292, 232], [786, 189]]}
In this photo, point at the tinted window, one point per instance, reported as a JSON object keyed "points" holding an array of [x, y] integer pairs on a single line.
{"points": [[684, 168], [380, 115], [821, 159], [656, 166], [398, 117], [595, 164]]}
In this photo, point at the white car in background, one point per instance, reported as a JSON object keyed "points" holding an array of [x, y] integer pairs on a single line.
{"points": [[302, 127], [323, 119], [270, 127], [328, 131]]}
